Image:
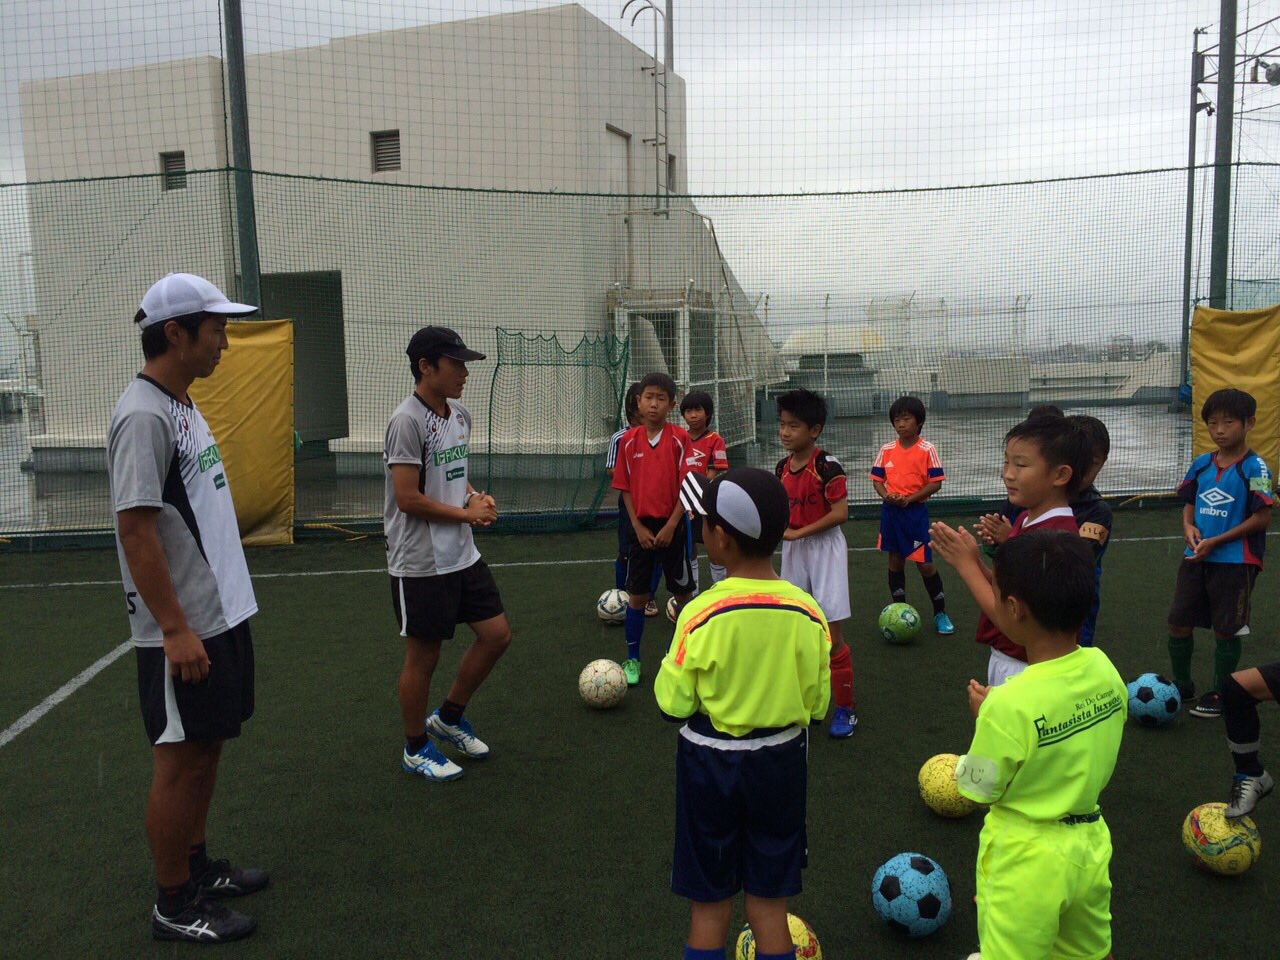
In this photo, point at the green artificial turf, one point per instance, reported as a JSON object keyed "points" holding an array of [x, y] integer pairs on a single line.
{"points": [[560, 844]]}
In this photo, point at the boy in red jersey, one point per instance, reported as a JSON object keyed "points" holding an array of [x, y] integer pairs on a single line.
{"points": [[1045, 462], [815, 555], [650, 466], [707, 456], [907, 472]]}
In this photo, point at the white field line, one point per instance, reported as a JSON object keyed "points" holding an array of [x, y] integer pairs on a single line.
{"points": [[29, 718], [360, 571]]}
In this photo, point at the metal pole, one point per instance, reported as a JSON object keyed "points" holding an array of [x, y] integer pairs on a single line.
{"points": [[1220, 249], [1197, 74], [669, 35], [238, 106]]}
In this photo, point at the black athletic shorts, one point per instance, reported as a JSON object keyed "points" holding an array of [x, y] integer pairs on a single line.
{"points": [[674, 558], [1213, 595], [696, 524], [175, 712], [626, 532], [430, 608], [740, 812]]}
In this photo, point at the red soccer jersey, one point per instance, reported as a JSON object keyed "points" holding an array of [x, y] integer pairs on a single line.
{"points": [[707, 453], [904, 470], [813, 488], [1059, 518], [651, 472]]}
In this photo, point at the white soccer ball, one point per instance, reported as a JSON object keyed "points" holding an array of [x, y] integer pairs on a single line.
{"points": [[602, 684], [673, 609], [612, 606]]}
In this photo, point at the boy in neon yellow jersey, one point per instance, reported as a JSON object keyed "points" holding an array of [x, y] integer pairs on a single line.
{"points": [[749, 669], [1044, 747]]}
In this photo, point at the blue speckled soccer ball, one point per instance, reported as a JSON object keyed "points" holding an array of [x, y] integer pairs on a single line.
{"points": [[1153, 700], [911, 894]]}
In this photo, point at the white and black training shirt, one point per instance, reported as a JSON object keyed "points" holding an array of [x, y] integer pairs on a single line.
{"points": [[161, 453], [438, 446]]}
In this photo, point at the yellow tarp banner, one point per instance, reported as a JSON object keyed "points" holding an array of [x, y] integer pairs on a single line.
{"points": [[1238, 349], [249, 405]]}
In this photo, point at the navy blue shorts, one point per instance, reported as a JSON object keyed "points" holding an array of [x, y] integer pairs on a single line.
{"points": [[626, 532], [905, 530], [740, 814]]}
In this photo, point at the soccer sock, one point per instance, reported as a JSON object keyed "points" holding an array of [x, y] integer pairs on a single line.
{"points": [[414, 744], [692, 953], [197, 858], [619, 574], [451, 712], [933, 585], [633, 629], [718, 572], [1226, 657], [1240, 711], [171, 900], [842, 679], [898, 585], [1180, 658]]}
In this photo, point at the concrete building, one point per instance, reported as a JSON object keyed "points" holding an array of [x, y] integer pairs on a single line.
{"points": [[366, 153]]}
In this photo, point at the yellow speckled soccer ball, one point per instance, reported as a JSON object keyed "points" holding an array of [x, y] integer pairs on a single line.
{"points": [[938, 788], [602, 684], [1220, 845], [802, 935]]}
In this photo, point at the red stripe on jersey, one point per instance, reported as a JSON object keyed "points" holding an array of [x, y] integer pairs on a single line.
{"points": [[652, 473], [753, 600]]}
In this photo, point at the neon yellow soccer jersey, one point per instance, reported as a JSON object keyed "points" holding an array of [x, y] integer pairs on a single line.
{"points": [[1046, 741], [748, 654]]}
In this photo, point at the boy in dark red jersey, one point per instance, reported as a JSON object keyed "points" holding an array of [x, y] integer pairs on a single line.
{"points": [[707, 456], [815, 555], [1045, 462], [650, 466]]}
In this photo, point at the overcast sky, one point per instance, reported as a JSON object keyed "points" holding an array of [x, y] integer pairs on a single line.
{"points": [[804, 96]]}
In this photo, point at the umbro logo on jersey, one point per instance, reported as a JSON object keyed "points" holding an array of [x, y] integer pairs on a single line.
{"points": [[1215, 501]]}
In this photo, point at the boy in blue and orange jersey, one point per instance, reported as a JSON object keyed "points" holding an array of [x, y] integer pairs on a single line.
{"points": [[1228, 497], [749, 670], [906, 473], [651, 464]]}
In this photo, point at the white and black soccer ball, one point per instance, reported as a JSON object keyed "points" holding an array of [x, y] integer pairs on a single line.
{"points": [[612, 606], [1154, 701], [673, 609], [911, 894]]}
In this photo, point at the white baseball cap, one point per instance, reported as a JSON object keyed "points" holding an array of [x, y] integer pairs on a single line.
{"points": [[180, 294]]}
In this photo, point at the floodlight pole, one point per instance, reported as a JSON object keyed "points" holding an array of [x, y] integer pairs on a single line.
{"points": [[1197, 76], [238, 111], [1220, 244]]}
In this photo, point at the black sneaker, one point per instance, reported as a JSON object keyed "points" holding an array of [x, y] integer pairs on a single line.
{"points": [[1210, 706], [202, 921], [221, 879]]}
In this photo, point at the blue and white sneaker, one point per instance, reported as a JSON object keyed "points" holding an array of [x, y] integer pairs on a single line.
{"points": [[462, 738], [942, 623], [430, 764], [843, 722]]}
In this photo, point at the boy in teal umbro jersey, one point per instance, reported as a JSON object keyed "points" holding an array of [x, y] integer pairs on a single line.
{"points": [[1044, 747], [748, 670]]}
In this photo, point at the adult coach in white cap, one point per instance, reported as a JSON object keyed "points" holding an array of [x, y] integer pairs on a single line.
{"points": [[189, 599]]}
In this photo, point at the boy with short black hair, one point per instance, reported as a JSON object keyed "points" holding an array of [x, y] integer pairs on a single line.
{"points": [[1092, 514], [707, 456], [1045, 462], [815, 555], [651, 464], [1044, 748], [1227, 495], [749, 670], [906, 473]]}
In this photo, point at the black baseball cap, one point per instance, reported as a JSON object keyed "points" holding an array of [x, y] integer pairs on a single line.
{"points": [[439, 342], [751, 501]]}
